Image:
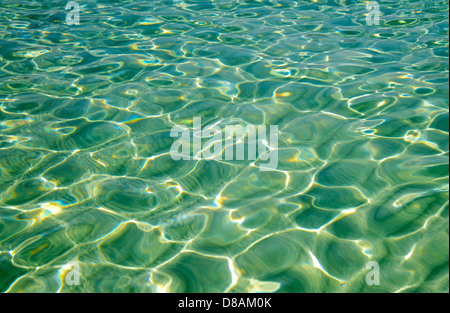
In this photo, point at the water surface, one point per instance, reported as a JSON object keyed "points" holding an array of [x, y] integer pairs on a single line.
{"points": [[86, 176]]}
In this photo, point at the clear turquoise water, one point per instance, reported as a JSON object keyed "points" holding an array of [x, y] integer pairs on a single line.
{"points": [[86, 177]]}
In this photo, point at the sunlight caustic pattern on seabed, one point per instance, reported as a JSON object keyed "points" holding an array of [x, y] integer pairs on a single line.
{"points": [[86, 175]]}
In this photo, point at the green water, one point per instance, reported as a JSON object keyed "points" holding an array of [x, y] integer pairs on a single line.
{"points": [[86, 176]]}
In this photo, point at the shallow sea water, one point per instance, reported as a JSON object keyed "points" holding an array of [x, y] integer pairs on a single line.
{"points": [[86, 176]]}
